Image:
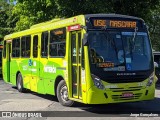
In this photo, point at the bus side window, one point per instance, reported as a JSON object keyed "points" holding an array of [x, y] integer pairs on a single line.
{"points": [[57, 43], [16, 47], [44, 44], [35, 46], [25, 46], [4, 50], [28, 46], [53, 49], [61, 49]]}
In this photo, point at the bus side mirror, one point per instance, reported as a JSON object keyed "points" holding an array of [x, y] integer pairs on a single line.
{"points": [[84, 40]]}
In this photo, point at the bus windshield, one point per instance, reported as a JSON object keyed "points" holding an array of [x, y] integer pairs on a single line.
{"points": [[120, 51]]}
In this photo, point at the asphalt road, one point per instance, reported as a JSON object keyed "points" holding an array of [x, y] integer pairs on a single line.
{"points": [[12, 100]]}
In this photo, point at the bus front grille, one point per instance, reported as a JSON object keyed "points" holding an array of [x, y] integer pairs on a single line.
{"points": [[120, 97], [136, 88]]}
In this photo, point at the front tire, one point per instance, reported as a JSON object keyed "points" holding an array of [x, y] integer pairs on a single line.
{"points": [[62, 94], [20, 83]]}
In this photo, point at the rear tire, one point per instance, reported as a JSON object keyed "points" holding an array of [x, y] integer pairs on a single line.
{"points": [[20, 83], [62, 94]]}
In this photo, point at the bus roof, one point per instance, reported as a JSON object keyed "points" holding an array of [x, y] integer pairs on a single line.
{"points": [[44, 26], [45, 23], [56, 23], [112, 16]]}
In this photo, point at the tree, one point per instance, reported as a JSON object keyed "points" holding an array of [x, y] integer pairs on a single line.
{"points": [[70, 8], [139, 8], [31, 12], [7, 21], [154, 28]]}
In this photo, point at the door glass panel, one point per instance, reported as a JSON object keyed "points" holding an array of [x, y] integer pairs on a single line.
{"points": [[76, 63], [73, 48], [79, 62]]}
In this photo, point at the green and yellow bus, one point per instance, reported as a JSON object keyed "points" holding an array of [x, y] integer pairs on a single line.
{"points": [[92, 59]]}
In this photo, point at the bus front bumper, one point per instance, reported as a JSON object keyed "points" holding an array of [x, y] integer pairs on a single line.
{"points": [[98, 96]]}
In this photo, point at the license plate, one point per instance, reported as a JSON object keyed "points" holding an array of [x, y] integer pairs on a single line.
{"points": [[127, 94]]}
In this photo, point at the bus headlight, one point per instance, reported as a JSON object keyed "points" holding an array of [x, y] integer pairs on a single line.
{"points": [[97, 82], [150, 80]]}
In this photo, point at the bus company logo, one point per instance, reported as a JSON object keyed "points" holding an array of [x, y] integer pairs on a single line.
{"points": [[50, 69], [125, 74]]}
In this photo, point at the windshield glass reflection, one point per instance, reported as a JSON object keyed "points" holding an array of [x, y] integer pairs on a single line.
{"points": [[120, 51]]}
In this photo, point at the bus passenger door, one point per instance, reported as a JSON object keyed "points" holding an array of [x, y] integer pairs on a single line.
{"points": [[76, 45], [36, 83], [6, 60]]}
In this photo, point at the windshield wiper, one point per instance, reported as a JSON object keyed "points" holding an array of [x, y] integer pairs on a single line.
{"points": [[134, 36], [132, 43], [112, 42], [130, 48], [114, 46]]}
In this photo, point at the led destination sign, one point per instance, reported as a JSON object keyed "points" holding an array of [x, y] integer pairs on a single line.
{"points": [[114, 23], [123, 24]]}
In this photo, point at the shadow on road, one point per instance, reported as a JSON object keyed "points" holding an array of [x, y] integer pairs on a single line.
{"points": [[126, 108], [117, 108], [48, 97]]}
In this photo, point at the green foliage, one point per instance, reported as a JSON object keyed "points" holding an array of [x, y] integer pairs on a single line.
{"points": [[139, 8], [31, 12], [42, 10], [70, 8], [25, 13], [7, 21], [154, 28]]}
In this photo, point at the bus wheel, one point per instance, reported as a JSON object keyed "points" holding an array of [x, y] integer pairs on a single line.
{"points": [[20, 83], [62, 94]]}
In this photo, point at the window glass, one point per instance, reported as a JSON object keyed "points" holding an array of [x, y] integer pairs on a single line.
{"points": [[4, 50], [120, 51], [73, 47], [25, 46], [44, 44], [57, 44], [16, 47], [35, 46]]}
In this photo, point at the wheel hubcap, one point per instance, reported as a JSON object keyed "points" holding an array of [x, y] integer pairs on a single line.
{"points": [[64, 93], [19, 84]]}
